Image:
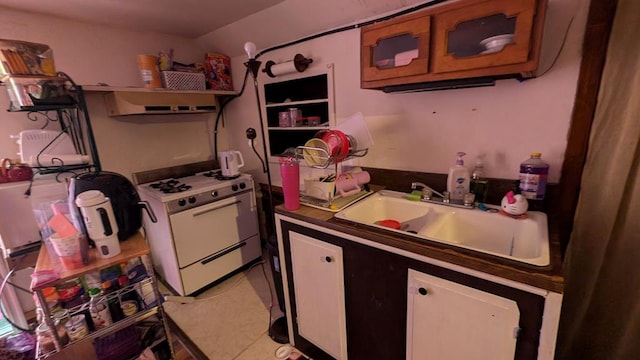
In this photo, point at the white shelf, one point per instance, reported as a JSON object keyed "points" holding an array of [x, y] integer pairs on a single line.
{"points": [[295, 103], [107, 89], [311, 92]]}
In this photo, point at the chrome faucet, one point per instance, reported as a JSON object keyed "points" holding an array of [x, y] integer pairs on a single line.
{"points": [[415, 185], [445, 198]]}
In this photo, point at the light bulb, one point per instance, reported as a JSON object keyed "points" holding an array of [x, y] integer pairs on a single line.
{"points": [[250, 49]]}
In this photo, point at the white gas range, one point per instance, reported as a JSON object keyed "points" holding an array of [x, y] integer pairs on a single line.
{"points": [[207, 228]]}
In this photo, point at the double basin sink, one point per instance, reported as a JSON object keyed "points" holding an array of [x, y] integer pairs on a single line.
{"points": [[522, 240]]}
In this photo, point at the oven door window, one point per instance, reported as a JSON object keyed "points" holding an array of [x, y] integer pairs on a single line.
{"points": [[205, 230]]}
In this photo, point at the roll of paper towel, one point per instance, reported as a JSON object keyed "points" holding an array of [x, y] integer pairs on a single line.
{"points": [[58, 160], [299, 64], [286, 67]]}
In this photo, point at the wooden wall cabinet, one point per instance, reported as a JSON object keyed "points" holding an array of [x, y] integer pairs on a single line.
{"points": [[454, 40], [396, 50]]}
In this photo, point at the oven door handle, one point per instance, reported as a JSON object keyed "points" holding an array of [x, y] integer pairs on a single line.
{"points": [[223, 252], [216, 208]]}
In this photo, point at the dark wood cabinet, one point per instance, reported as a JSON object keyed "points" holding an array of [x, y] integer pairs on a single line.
{"points": [[456, 40], [376, 297]]}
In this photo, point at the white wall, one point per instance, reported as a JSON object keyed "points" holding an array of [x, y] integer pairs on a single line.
{"points": [[423, 131], [91, 54], [419, 131]]}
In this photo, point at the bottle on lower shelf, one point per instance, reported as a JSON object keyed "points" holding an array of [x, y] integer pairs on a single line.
{"points": [[130, 301], [99, 309], [113, 302]]}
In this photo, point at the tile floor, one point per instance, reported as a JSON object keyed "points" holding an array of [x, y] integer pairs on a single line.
{"points": [[229, 321]]}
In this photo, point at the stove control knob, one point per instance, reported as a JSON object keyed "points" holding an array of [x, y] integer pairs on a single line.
{"points": [[234, 187], [214, 194], [243, 185], [192, 199], [182, 202]]}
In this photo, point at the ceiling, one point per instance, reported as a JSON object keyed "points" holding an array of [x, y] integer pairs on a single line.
{"points": [[188, 18], [219, 25]]}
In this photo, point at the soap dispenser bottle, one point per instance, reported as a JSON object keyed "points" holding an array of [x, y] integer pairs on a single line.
{"points": [[479, 184], [458, 179]]}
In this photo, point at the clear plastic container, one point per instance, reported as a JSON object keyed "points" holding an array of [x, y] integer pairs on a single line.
{"points": [[533, 177]]}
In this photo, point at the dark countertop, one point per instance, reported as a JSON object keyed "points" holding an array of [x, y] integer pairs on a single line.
{"points": [[548, 278]]}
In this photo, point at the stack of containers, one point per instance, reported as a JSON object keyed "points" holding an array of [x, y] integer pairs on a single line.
{"points": [[29, 71]]}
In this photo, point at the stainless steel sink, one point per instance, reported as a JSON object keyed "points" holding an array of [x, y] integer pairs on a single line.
{"points": [[522, 240]]}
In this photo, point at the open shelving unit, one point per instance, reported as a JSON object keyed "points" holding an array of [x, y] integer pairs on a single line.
{"points": [[71, 116], [311, 92], [132, 248]]}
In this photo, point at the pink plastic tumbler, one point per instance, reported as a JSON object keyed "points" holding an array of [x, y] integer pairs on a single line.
{"points": [[290, 173]]}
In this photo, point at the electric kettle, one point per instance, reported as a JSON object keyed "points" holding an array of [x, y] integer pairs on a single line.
{"points": [[230, 162], [100, 222]]}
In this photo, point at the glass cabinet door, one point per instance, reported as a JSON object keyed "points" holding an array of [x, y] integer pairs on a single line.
{"points": [[491, 33], [395, 49]]}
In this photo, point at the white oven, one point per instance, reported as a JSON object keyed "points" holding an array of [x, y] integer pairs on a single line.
{"points": [[205, 231], [213, 228]]}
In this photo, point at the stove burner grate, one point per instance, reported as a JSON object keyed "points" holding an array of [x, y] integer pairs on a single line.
{"points": [[177, 189], [170, 186], [218, 175], [212, 173]]}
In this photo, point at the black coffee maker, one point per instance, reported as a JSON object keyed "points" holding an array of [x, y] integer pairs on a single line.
{"points": [[125, 201]]}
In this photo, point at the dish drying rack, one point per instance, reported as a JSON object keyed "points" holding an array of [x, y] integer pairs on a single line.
{"points": [[323, 158], [322, 161]]}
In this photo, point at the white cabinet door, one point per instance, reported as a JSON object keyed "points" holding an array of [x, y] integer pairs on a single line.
{"points": [[446, 320], [319, 293]]}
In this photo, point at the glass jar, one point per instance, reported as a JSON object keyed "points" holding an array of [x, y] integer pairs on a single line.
{"points": [[283, 119], [60, 316], [53, 307], [295, 115], [45, 338], [76, 327]]}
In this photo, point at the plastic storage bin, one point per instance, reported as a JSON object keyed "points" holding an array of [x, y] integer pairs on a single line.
{"points": [[178, 80]]}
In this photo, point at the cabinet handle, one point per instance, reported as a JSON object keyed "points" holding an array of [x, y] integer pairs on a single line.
{"points": [[422, 291], [328, 259]]}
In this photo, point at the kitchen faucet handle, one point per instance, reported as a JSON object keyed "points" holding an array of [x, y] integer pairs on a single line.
{"points": [[426, 193]]}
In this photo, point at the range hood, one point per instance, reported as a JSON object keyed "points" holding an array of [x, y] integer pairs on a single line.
{"points": [[441, 85], [121, 103]]}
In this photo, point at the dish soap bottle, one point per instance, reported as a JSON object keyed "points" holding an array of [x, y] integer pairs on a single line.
{"points": [[533, 177], [479, 184], [458, 179]]}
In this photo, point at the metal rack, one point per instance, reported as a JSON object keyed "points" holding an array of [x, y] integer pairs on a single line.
{"points": [[134, 247], [72, 117], [325, 158]]}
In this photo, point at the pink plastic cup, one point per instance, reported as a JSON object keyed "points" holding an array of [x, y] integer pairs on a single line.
{"points": [[290, 173], [68, 250]]}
